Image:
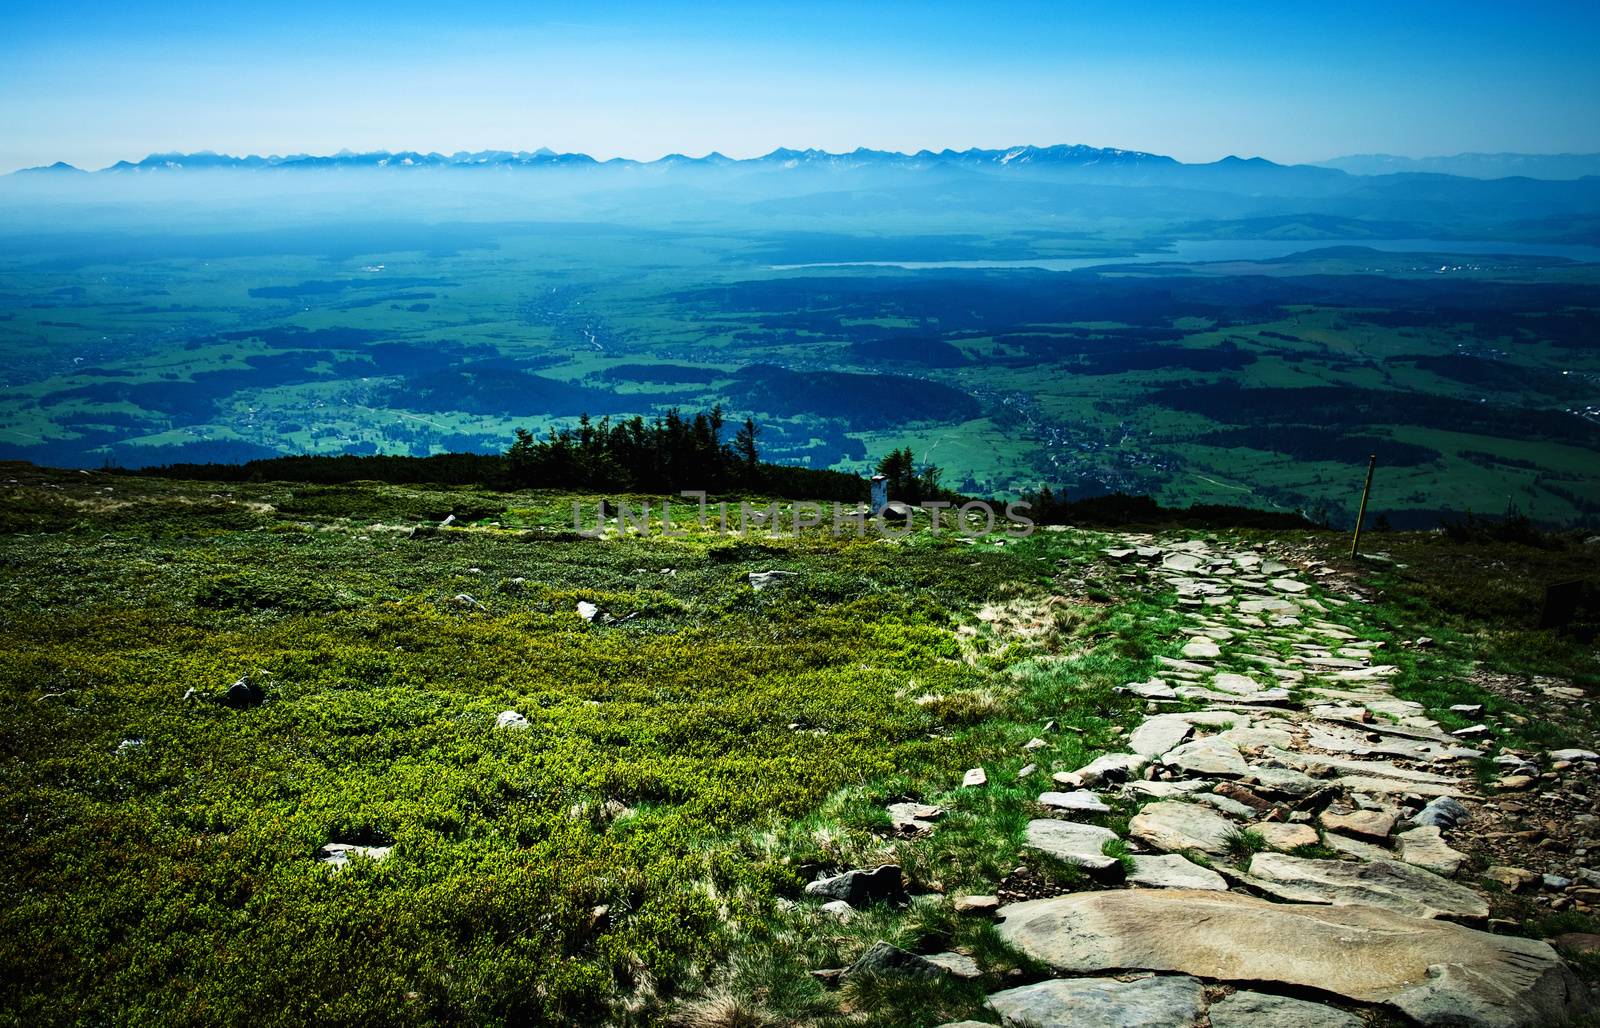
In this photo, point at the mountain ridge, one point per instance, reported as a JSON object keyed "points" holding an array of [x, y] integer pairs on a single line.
{"points": [[1059, 155]]}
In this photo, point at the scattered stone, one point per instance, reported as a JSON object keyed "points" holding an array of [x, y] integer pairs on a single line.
{"points": [[760, 580], [1257, 1009], [1110, 767], [1026, 771], [1233, 808], [1472, 732], [1380, 883], [510, 719], [1159, 734], [1082, 802], [1444, 812], [1171, 825], [464, 600], [1556, 882], [1171, 871], [1288, 585], [1515, 783], [1515, 879], [587, 610], [1082, 845], [1574, 755], [1155, 689], [839, 910], [1432, 971], [1286, 837], [1201, 648], [958, 964], [977, 906], [974, 779], [888, 960], [1374, 824], [1467, 709], [337, 854], [1239, 794], [1425, 848], [243, 693], [861, 886], [1034, 744], [914, 817], [1209, 757], [1155, 1002]]}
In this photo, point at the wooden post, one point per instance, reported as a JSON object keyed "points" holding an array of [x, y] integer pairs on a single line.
{"points": [[1366, 490]]}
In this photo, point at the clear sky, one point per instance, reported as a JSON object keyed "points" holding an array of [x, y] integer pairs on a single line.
{"points": [[91, 83]]}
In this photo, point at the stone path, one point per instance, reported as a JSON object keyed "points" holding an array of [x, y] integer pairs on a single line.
{"points": [[1292, 838]]}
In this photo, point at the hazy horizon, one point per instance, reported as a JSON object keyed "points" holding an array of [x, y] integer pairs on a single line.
{"points": [[91, 84]]}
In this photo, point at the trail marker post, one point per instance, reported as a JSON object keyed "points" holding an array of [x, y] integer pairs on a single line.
{"points": [[1366, 490]]}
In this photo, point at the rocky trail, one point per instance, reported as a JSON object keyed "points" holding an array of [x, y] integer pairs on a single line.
{"points": [[1305, 847]]}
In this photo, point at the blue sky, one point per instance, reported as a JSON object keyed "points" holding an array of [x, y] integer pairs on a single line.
{"points": [[91, 83]]}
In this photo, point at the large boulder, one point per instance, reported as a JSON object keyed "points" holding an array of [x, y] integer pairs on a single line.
{"points": [[1435, 972]]}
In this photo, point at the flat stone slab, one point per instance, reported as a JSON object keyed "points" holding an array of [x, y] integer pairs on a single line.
{"points": [[1201, 648], [1393, 786], [1209, 757], [1260, 1010], [1425, 848], [1073, 843], [1374, 824], [1174, 825], [1171, 871], [1173, 1001], [1082, 802], [1281, 836], [1435, 972], [1380, 883], [1159, 734]]}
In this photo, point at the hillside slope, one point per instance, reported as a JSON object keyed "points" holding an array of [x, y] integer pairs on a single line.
{"points": [[295, 753]]}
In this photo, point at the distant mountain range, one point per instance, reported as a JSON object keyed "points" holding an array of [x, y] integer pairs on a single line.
{"points": [[1089, 159], [1063, 155], [1473, 165]]}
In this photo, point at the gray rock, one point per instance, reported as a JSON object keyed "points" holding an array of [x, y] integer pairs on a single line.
{"points": [[1444, 812], [243, 693], [839, 910], [1389, 884], [1082, 802], [1425, 848], [1082, 845], [587, 610], [974, 778], [1209, 757], [976, 906], [1171, 871], [1159, 734], [760, 580], [958, 964], [1259, 1010], [510, 719], [1173, 825], [1574, 755], [1170, 1001], [1435, 972], [337, 854], [914, 817], [885, 959], [861, 886], [1201, 648], [1110, 767]]}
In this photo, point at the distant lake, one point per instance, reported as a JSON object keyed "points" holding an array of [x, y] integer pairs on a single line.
{"points": [[1194, 251]]}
